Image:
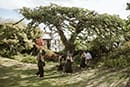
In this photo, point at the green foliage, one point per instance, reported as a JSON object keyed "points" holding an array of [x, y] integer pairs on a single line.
{"points": [[16, 38], [77, 59], [100, 33], [118, 58], [24, 58], [128, 6], [82, 25], [127, 33], [118, 62], [28, 59]]}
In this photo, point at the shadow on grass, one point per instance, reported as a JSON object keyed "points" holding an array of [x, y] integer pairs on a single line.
{"points": [[11, 77], [105, 78], [128, 75]]}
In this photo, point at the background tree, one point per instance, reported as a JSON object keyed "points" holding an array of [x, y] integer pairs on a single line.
{"points": [[76, 25], [128, 6], [127, 34]]}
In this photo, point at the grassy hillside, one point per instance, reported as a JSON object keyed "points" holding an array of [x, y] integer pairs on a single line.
{"points": [[18, 74]]}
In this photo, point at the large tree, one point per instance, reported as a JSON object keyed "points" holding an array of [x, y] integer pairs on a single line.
{"points": [[77, 22]]}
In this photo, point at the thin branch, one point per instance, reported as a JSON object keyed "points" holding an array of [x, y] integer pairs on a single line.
{"points": [[18, 21]]}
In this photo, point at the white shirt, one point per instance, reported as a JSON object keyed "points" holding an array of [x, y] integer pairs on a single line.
{"points": [[88, 55]]}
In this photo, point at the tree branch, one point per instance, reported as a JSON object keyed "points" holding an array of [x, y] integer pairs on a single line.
{"points": [[18, 21]]}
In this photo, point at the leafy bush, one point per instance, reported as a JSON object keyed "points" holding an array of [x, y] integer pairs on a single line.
{"points": [[50, 55], [24, 58], [17, 38], [28, 60], [77, 59], [118, 57], [120, 62]]}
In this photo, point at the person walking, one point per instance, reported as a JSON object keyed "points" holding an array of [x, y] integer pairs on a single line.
{"points": [[40, 64]]}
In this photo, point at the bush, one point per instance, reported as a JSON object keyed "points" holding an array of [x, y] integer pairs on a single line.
{"points": [[77, 59], [119, 57], [120, 62], [17, 38], [50, 55], [28, 60], [24, 58]]}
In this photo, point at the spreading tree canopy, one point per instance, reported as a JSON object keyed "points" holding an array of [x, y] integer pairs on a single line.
{"points": [[80, 24]]}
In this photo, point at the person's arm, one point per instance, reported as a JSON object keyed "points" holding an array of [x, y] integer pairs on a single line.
{"points": [[71, 59]]}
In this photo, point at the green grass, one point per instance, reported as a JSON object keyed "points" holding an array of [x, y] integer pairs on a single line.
{"points": [[18, 74]]}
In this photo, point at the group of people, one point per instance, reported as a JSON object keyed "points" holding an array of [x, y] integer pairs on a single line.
{"points": [[85, 59], [65, 64]]}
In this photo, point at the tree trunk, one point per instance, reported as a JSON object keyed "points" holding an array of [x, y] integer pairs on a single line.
{"points": [[69, 44]]}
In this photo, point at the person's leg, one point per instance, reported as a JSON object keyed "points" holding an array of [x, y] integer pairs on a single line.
{"points": [[38, 72], [41, 71], [71, 70]]}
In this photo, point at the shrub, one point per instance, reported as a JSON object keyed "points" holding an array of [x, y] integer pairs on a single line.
{"points": [[24, 58], [28, 60], [17, 38], [120, 62], [77, 59]]}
